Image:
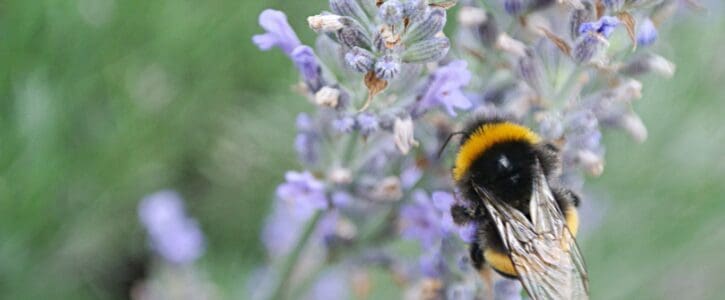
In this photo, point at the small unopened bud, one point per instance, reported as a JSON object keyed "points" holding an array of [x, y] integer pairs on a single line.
{"points": [[387, 67], [391, 12], [360, 60], [613, 5], [591, 162], [426, 28], [650, 63], [346, 229], [327, 96], [488, 31], [510, 45], [415, 10], [634, 126], [531, 70], [388, 190], [352, 34], [326, 23], [588, 47], [551, 127], [579, 17], [348, 8], [429, 50], [404, 134], [470, 16], [646, 33], [514, 7], [367, 123], [340, 176]]}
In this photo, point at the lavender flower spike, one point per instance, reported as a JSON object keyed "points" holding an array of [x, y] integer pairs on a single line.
{"points": [[306, 62], [444, 89], [174, 236], [279, 33]]}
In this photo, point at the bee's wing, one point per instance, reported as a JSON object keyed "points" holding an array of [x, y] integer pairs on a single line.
{"points": [[543, 250]]}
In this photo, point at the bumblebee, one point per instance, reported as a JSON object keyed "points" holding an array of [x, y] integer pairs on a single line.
{"points": [[525, 223]]}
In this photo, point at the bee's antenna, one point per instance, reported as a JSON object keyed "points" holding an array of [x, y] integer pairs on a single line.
{"points": [[448, 139]]}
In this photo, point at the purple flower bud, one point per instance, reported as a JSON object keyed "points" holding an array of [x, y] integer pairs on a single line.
{"points": [[551, 127], [488, 31], [387, 67], [427, 28], [425, 51], [353, 34], [391, 12], [279, 33], [343, 124], [531, 70], [514, 7], [605, 26], [307, 142], [579, 17], [303, 192], [444, 89], [360, 60], [587, 47], [646, 33], [415, 9], [349, 8], [174, 236], [306, 62], [367, 123], [613, 5]]}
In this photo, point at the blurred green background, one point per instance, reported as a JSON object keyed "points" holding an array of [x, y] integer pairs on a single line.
{"points": [[105, 101]]}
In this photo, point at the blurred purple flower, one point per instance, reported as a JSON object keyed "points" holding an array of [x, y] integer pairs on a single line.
{"points": [[428, 220], [432, 263], [514, 7], [281, 230], [507, 289], [367, 123], [279, 33], [343, 124], [332, 284], [646, 33], [174, 236], [444, 88], [303, 193], [307, 141]]}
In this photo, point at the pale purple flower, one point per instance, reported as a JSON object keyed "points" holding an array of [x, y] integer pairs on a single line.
{"points": [[303, 192], [646, 33], [514, 7], [281, 230], [387, 67], [306, 62], [367, 123], [391, 12], [507, 289], [428, 219], [332, 284], [468, 232], [344, 124], [444, 89], [307, 142], [174, 236], [341, 199], [432, 263], [279, 33]]}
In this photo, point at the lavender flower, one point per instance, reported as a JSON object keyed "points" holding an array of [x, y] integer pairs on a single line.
{"points": [[306, 62], [367, 123], [514, 7], [331, 285], [391, 12], [307, 142], [174, 236], [304, 192], [605, 26], [444, 89], [344, 124], [279, 33]]}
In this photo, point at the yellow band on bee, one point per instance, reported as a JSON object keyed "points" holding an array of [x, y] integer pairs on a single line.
{"points": [[484, 138], [501, 262]]}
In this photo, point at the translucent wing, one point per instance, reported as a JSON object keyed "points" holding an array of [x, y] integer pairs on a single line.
{"points": [[543, 250]]}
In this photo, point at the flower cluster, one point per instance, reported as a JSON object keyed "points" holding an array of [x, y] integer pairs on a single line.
{"points": [[390, 87]]}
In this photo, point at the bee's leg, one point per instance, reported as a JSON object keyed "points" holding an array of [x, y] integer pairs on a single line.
{"points": [[565, 197]]}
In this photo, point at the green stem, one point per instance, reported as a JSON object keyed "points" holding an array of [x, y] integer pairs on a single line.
{"points": [[291, 262]]}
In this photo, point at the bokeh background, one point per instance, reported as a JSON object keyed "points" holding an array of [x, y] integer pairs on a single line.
{"points": [[105, 101]]}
